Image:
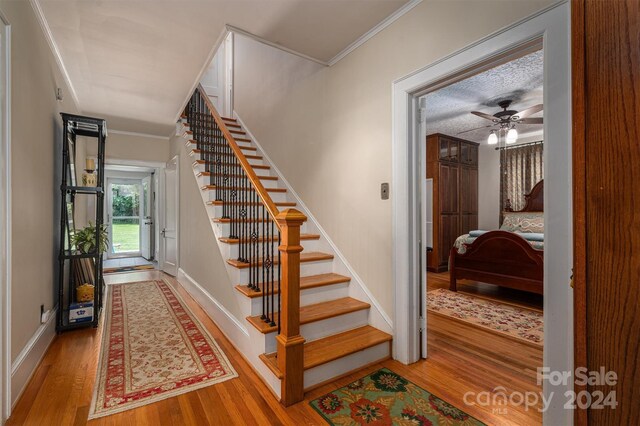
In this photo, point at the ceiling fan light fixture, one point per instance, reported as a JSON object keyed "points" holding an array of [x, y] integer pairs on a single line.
{"points": [[493, 138], [512, 135]]}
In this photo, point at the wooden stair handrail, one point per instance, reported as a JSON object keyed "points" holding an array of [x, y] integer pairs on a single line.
{"points": [[289, 342], [253, 178]]}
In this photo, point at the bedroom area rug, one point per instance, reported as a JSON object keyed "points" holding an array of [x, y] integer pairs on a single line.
{"points": [[523, 324], [153, 347], [386, 398]]}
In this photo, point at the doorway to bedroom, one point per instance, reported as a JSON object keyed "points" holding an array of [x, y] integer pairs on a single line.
{"points": [[483, 219]]}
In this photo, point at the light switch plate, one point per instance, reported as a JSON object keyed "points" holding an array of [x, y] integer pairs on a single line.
{"points": [[384, 191]]}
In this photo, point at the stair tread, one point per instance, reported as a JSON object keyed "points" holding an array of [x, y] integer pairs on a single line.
{"points": [[278, 204], [229, 119], [242, 147], [312, 256], [315, 312], [236, 175], [228, 240], [254, 157], [333, 347], [238, 220], [212, 187], [253, 166], [312, 281]]}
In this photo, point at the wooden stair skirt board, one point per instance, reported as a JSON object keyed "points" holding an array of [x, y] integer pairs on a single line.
{"points": [[336, 347], [313, 313], [312, 256]]}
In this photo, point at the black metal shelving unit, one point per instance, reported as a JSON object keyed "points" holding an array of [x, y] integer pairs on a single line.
{"points": [[90, 127]]}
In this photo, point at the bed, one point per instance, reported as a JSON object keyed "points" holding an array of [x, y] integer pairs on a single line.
{"points": [[507, 257]]}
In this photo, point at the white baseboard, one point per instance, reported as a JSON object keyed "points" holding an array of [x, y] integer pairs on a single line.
{"points": [[232, 328], [25, 364], [218, 313]]}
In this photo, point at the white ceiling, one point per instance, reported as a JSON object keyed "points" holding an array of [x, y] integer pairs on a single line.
{"points": [[449, 109], [133, 62]]}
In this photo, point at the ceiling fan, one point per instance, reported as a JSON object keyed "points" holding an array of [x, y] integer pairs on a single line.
{"points": [[506, 121]]}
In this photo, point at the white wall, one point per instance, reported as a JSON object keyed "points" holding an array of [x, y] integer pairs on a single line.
{"points": [[140, 147], [488, 188], [200, 256], [36, 151], [328, 129]]}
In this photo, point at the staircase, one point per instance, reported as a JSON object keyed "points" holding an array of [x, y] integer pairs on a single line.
{"points": [[302, 317]]}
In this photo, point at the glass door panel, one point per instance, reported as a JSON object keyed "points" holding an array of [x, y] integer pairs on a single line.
{"points": [[125, 217]]}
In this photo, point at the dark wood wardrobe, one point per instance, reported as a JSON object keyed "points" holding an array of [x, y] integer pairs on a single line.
{"points": [[452, 163]]}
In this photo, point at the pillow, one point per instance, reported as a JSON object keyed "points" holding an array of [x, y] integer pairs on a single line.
{"points": [[532, 236], [523, 222]]}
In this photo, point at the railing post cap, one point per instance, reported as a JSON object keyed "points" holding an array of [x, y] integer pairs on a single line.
{"points": [[291, 216]]}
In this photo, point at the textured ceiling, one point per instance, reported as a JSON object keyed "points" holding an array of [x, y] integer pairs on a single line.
{"points": [[133, 62], [449, 109]]}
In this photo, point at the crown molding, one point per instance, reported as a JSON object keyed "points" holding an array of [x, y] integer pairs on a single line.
{"points": [[44, 25], [375, 30]]}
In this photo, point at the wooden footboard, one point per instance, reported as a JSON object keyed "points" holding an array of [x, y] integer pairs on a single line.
{"points": [[502, 258]]}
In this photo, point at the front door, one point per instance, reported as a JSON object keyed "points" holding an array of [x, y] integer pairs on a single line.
{"points": [[169, 234], [146, 229], [124, 216]]}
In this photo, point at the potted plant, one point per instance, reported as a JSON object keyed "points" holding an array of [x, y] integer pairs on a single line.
{"points": [[84, 239]]}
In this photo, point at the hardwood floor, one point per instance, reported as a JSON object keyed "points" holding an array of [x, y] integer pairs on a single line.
{"points": [[61, 389]]}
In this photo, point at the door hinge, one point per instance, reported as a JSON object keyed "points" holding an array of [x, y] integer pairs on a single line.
{"points": [[571, 279]]}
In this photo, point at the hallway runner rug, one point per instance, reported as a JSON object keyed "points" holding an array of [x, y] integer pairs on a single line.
{"points": [[153, 347], [525, 325], [116, 270], [386, 398]]}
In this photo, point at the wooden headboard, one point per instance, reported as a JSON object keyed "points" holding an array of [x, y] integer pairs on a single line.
{"points": [[534, 200]]}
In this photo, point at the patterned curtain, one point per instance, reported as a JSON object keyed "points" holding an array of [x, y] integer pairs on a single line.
{"points": [[521, 168]]}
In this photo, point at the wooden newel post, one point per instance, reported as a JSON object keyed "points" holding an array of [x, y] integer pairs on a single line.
{"points": [[289, 341]]}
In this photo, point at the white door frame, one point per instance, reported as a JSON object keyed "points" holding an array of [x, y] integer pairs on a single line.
{"points": [[174, 161], [553, 25], [160, 190], [5, 218], [109, 212]]}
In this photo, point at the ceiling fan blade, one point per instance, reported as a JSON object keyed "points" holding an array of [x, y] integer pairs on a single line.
{"points": [[526, 112], [531, 120], [477, 128], [484, 115]]}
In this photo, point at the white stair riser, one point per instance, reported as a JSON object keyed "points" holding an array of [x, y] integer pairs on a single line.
{"points": [[217, 211], [306, 269], [330, 370], [224, 229], [232, 251], [252, 161], [267, 183], [319, 329], [277, 197], [192, 144], [309, 297]]}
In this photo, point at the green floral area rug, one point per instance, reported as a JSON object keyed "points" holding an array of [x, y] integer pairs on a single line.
{"points": [[385, 398]]}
